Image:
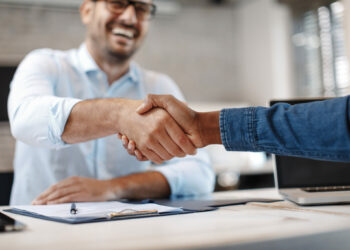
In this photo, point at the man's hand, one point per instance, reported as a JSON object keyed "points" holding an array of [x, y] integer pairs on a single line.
{"points": [[76, 189], [202, 128], [187, 118], [156, 133], [150, 184]]}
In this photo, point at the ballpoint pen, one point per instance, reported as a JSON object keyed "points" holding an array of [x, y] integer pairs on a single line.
{"points": [[73, 209], [132, 212]]}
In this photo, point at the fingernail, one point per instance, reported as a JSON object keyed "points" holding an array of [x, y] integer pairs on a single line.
{"points": [[142, 106], [194, 152], [129, 146], [137, 154], [124, 141]]}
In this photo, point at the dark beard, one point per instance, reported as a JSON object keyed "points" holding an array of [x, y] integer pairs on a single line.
{"points": [[118, 58], [115, 57]]}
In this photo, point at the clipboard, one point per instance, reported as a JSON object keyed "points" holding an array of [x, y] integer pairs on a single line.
{"points": [[187, 206], [132, 211]]}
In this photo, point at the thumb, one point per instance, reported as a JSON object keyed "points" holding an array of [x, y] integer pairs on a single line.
{"points": [[150, 102], [144, 107]]}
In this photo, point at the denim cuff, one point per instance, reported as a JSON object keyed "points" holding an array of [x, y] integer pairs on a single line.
{"points": [[238, 129]]}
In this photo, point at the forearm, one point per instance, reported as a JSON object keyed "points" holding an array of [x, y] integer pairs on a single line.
{"points": [[140, 186], [40, 120], [92, 119], [317, 130], [209, 127]]}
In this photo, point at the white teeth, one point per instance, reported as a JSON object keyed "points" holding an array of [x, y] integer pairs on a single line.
{"points": [[123, 32]]}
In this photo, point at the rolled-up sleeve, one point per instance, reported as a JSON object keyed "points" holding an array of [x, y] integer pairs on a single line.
{"points": [[192, 175], [237, 129], [38, 117]]}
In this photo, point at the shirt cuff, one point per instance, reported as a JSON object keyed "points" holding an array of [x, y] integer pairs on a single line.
{"points": [[174, 180], [58, 115], [192, 175], [238, 129]]}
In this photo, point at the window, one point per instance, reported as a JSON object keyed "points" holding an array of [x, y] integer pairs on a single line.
{"points": [[321, 64]]}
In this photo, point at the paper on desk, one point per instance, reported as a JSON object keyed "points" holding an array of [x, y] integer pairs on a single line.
{"points": [[93, 209]]}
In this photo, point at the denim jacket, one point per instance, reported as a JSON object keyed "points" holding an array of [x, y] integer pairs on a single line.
{"points": [[318, 130]]}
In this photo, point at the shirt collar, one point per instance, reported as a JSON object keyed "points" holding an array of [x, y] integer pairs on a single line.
{"points": [[134, 72], [86, 61], [88, 64]]}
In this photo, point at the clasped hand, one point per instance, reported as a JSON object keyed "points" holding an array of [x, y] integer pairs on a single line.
{"points": [[186, 134]]}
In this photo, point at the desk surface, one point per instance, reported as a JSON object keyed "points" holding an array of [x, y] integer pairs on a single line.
{"points": [[227, 226]]}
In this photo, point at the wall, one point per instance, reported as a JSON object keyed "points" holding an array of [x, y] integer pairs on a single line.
{"points": [[236, 52], [265, 51], [26, 28]]}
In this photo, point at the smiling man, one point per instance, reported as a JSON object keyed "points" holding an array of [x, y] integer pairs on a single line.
{"points": [[66, 107]]}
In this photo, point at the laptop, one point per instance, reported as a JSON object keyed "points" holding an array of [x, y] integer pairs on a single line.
{"points": [[311, 182]]}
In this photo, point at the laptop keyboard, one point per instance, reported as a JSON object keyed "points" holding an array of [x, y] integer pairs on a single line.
{"points": [[326, 189]]}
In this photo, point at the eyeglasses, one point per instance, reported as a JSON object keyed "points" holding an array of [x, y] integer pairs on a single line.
{"points": [[144, 11]]}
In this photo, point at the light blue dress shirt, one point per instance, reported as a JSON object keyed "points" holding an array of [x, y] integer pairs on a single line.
{"points": [[46, 86]]}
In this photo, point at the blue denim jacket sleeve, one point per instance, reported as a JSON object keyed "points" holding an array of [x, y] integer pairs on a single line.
{"points": [[318, 130]]}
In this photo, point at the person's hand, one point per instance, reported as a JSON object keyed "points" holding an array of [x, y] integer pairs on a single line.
{"points": [[202, 128], [130, 147], [157, 135], [76, 189], [187, 118]]}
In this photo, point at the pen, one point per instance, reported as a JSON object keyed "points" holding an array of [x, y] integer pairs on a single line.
{"points": [[73, 209], [131, 212]]}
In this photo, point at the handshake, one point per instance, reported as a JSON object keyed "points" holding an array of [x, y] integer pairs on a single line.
{"points": [[177, 132]]}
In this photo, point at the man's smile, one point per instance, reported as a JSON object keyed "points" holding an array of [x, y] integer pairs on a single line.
{"points": [[123, 32]]}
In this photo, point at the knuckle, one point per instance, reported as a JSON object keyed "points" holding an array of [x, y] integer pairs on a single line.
{"points": [[148, 141], [143, 146], [180, 153], [168, 157], [156, 130], [183, 140], [166, 117], [193, 151], [158, 161]]}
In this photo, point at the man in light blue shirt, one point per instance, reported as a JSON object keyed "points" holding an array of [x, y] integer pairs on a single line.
{"points": [[66, 107]]}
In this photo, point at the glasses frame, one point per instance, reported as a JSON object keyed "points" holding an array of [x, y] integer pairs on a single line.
{"points": [[131, 2]]}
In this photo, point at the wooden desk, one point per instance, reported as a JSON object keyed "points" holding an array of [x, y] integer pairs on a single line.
{"points": [[228, 226]]}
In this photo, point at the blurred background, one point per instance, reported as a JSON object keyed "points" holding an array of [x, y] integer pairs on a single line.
{"points": [[222, 53]]}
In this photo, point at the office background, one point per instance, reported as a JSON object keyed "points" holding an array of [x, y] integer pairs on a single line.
{"points": [[220, 52]]}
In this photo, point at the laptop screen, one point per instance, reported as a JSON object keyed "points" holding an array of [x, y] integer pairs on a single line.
{"points": [[294, 172]]}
